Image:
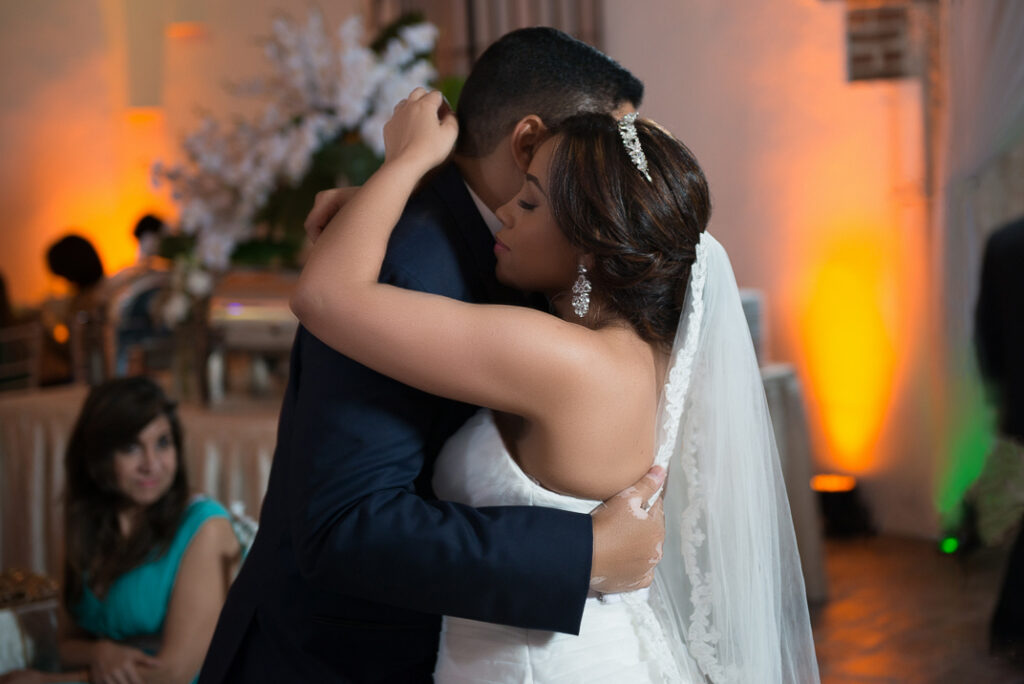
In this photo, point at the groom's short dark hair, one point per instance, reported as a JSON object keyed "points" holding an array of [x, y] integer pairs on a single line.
{"points": [[540, 71]]}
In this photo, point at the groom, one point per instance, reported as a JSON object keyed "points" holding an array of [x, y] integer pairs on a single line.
{"points": [[355, 561]]}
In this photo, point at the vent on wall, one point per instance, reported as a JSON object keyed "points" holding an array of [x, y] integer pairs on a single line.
{"points": [[878, 43]]}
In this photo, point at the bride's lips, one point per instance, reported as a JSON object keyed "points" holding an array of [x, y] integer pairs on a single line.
{"points": [[500, 247]]}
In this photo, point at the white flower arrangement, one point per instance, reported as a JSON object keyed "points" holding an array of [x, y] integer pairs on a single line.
{"points": [[321, 93]]}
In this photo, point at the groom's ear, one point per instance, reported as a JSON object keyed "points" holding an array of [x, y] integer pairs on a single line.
{"points": [[526, 136]]}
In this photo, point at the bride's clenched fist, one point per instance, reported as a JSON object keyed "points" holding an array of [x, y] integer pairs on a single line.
{"points": [[421, 131]]}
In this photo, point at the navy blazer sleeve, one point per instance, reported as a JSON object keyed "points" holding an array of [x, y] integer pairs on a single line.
{"points": [[359, 442]]}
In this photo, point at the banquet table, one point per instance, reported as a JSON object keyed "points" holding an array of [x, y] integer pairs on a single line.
{"points": [[229, 451], [228, 454]]}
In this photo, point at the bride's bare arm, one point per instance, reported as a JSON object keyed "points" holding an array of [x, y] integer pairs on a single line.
{"points": [[509, 358]]}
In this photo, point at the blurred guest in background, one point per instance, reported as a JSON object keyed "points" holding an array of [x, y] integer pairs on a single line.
{"points": [[999, 493], [146, 567], [148, 231], [70, 350], [6, 310], [74, 259], [131, 292]]}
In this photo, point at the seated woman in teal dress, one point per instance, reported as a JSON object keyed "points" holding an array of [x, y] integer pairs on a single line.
{"points": [[147, 566]]}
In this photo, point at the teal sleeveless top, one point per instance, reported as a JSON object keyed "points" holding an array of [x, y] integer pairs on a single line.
{"points": [[136, 603]]}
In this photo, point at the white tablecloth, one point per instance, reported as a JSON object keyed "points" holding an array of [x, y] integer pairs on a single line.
{"points": [[785, 403], [228, 453]]}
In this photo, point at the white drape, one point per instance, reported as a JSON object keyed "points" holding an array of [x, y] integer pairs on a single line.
{"points": [[983, 180], [981, 176]]}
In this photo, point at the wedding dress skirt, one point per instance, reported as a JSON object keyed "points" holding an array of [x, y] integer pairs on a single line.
{"points": [[621, 639]]}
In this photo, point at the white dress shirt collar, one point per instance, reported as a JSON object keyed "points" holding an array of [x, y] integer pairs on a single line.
{"points": [[492, 221]]}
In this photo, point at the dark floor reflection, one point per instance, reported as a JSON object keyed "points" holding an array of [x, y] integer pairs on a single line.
{"points": [[900, 611]]}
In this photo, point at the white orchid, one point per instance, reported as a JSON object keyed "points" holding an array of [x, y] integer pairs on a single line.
{"points": [[176, 309], [198, 282], [420, 37], [320, 89]]}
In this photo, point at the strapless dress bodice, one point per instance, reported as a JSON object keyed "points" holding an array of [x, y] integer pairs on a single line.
{"points": [[621, 641], [475, 468]]}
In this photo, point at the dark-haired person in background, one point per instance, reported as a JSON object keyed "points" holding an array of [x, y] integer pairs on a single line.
{"points": [[6, 310], [148, 231], [999, 342], [356, 560], [131, 293], [147, 565], [73, 325], [75, 259]]}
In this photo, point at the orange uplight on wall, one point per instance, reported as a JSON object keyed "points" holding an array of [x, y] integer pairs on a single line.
{"points": [[850, 329], [185, 30], [833, 483], [144, 116]]}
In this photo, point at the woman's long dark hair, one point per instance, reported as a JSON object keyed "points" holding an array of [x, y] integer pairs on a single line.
{"points": [[642, 234], [95, 550]]}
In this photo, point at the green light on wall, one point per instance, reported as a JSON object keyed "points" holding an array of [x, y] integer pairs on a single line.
{"points": [[949, 545], [969, 440]]}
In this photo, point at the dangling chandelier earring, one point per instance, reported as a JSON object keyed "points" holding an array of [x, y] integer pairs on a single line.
{"points": [[581, 292]]}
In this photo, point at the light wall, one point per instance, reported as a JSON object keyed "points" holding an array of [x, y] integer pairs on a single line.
{"points": [[75, 155], [817, 187]]}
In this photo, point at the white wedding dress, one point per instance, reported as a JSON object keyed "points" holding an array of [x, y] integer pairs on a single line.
{"points": [[621, 640], [728, 604]]}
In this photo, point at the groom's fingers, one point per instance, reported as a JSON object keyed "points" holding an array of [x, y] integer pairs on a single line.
{"points": [[650, 483], [628, 536], [642, 494]]}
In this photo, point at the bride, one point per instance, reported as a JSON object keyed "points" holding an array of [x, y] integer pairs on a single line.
{"points": [[646, 358]]}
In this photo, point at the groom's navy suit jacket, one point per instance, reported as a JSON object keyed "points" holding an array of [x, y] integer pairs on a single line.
{"points": [[355, 561]]}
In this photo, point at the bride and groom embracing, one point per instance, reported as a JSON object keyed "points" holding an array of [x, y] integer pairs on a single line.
{"points": [[533, 525]]}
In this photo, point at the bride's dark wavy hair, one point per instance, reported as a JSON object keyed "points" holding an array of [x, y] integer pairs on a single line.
{"points": [[95, 551], [642, 234]]}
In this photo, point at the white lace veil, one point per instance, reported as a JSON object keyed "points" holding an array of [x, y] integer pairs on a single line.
{"points": [[729, 587]]}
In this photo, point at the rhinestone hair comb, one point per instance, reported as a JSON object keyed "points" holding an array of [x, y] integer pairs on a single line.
{"points": [[627, 129]]}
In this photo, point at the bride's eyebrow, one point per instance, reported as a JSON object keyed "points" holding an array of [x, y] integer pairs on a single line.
{"points": [[533, 179]]}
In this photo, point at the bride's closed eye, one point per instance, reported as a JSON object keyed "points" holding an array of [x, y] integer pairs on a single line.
{"points": [[526, 205]]}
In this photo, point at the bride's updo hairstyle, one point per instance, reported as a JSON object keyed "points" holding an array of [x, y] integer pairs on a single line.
{"points": [[642, 234]]}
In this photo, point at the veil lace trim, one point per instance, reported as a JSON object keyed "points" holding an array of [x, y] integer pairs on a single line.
{"points": [[701, 636], [682, 366], [729, 588]]}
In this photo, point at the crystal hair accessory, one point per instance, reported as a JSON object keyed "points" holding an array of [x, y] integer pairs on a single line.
{"points": [[627, 129]]}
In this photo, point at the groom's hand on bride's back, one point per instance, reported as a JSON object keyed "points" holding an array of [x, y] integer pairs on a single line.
{"points": [[628, 537]]}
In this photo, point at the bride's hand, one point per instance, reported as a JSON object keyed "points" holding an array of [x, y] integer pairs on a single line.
{"points": [[421, 131]]}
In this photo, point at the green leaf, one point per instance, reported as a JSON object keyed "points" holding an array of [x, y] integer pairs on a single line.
{"points": [[357, 162], [451, 88]]}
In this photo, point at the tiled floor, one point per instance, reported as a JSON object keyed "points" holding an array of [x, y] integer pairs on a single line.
{"points": [[899, 611]]}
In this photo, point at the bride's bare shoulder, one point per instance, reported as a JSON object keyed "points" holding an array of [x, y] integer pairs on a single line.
{"points": [[600, 439]]}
